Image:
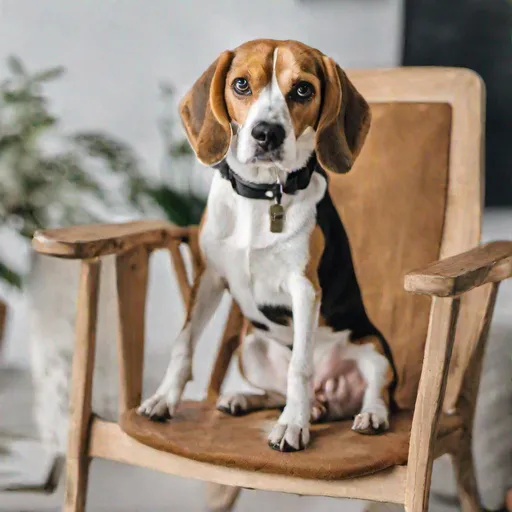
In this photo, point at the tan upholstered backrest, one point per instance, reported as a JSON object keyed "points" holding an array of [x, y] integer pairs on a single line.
{"points": [[392, 204], [413, 196]]}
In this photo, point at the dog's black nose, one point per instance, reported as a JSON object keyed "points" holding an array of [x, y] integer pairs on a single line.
{"points": [[269, 135]]}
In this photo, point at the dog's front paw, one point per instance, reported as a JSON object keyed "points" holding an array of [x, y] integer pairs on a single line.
{"points": [[157, 408], [288, 438], [291, 433], [372, 421], [236, 404], [162, 405]]}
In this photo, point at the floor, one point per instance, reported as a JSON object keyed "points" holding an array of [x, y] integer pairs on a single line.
{"points": [[119, 488]]}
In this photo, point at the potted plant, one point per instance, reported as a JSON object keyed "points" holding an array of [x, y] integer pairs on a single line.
{"points": [[72, 183], [49, 178]]}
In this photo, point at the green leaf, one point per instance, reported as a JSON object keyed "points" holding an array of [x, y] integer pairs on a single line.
{"points": [[116, 154], [49, 74], [16, 66], [66, 168], [10, 276], [10, 141], [181, 209], [32, 184], [23, 96], [42, 120]]}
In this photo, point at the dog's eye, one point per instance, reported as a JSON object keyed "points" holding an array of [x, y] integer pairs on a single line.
{"points": [[302, 92], [241, 86]]}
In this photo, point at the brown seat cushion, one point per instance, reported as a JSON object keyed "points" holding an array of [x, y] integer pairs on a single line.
{"points": [[202, 433]]}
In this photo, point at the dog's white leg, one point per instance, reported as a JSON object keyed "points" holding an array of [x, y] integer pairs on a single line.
{"points": [[206, 296], [375, 369], [292, 429]]}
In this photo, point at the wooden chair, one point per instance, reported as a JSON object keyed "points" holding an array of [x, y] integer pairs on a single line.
{"points": [[414, 197]]}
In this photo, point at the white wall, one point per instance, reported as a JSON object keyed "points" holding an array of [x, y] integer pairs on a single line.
{"points": [[116, 51]]}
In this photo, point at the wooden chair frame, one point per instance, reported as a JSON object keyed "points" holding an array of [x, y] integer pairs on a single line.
{"points": [[463, 286]]}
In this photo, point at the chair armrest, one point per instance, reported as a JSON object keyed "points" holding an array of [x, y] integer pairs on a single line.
{"points": [[94, 240], [458, 274]]}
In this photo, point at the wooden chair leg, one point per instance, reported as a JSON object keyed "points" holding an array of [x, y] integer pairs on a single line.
{"points": [[508, 500], [465, 476], [230, 342], [221, 498], [132, 284], [466, 403], [77, 460], [441, 331], [375, 506]]}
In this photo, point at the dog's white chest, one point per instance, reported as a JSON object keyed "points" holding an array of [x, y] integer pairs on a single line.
{"points": [[256, 264]]}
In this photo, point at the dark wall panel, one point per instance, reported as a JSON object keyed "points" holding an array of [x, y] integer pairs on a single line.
{"points": [[476, 34]]}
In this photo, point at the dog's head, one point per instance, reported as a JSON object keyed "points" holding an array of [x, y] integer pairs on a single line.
{"points": [[272, 103]]}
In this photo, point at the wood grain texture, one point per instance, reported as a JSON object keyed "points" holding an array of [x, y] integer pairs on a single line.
{"points": [[91, 241], [458, 274], [180, 270], [468, 375], [221, 498], [463, 465], [471, 370], [231, 339], [443, 320], [132, 282], [508, 500], [470, 340], [77, 461], [195, 250], [108, 441]]}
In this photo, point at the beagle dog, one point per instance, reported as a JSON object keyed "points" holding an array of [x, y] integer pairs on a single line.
{"points": [[274, 118]]}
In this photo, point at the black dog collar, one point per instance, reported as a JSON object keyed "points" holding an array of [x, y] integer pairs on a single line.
{"points": [[298, 180]]}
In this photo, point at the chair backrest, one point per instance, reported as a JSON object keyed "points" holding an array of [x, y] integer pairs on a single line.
{"points": [[414, 195]]}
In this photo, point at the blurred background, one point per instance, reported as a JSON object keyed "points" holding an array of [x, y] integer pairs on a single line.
{"points": [[89, 132]]}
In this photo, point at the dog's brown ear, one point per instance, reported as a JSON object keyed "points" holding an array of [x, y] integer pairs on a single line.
{"points": [[204, 113], [344, 121]]}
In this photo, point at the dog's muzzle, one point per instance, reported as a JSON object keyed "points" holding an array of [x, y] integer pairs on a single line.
{"points": [[269, 138]]}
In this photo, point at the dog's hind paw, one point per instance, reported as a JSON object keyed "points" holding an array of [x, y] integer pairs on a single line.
{"points": [[236, 404], [319, 412]]}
